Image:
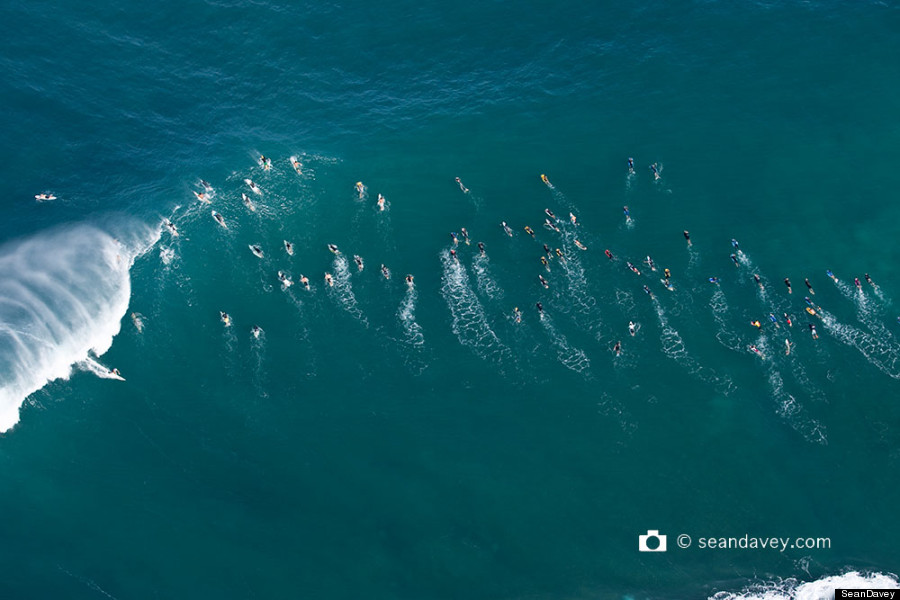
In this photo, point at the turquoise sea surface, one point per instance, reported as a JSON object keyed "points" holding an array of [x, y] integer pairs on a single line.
{"points": [[385, 440]]}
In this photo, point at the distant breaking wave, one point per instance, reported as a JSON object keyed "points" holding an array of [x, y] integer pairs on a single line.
{"points": [[820, 589], [63, 294]]}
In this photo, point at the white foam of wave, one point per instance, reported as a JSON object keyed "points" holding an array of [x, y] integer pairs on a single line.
{"points": [[469, 322], [486, 283], [820, 589], [343, 289], [883, 354], [673, 346], [91, 365], [569, 356], [63, 294]]}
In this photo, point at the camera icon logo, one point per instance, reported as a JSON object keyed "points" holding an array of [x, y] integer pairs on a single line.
{"points": [[659, 545]]}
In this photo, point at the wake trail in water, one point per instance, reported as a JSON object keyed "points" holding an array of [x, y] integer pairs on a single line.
{"points": [[484, 280], [343, 290], [413, 337], [729, 338], [577, 298], [883, 354], [63, 294], [673, 346], [569, 356], [868, 311], [788, 407], [469, 322]]}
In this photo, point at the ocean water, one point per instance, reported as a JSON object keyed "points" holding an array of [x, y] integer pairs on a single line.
{"points": [[385, 441]]}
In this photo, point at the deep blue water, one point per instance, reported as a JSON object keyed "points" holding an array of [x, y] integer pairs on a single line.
{"points": [[384, 441]]}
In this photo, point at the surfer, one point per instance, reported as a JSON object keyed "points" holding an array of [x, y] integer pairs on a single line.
{"points": [[453, 255], [618, 348], [481, 248], [545, 180], [334, 249], [256, 250], [869, 280], [608, 254], [573, 219], [560, 256], [529, 231], [757, 280], [756, 324], [543, 282], [116, 373], [655, 170], [329, 280], [284, 279], [809, 286], [580, 245], [813, 332], [360, 189], [256, 330], [787, 319], [385, 272], [545, 263], [248, 202], [138, 322], [464, 189], [380, 202], [756, 350], [517, 315], [787, 282], [304, 280], [631, 165], [667, 274], [359, 261], [219, 219], [687, 237], [465, 235], [830, 274], [43, 197], [714, 280], [288, 247], [409, 280], [735, 260], [297, 166], [734, 244], [206, 185], [225, 318], [506, 228], [202, 197], [550, 225], [633, 268], [171, 227], [453, 238], [253, 187], [631, 328], [547, 250], [265, 162], [774, 319], [550, 213], [858, 285], [647, 291], [787, 346]]}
